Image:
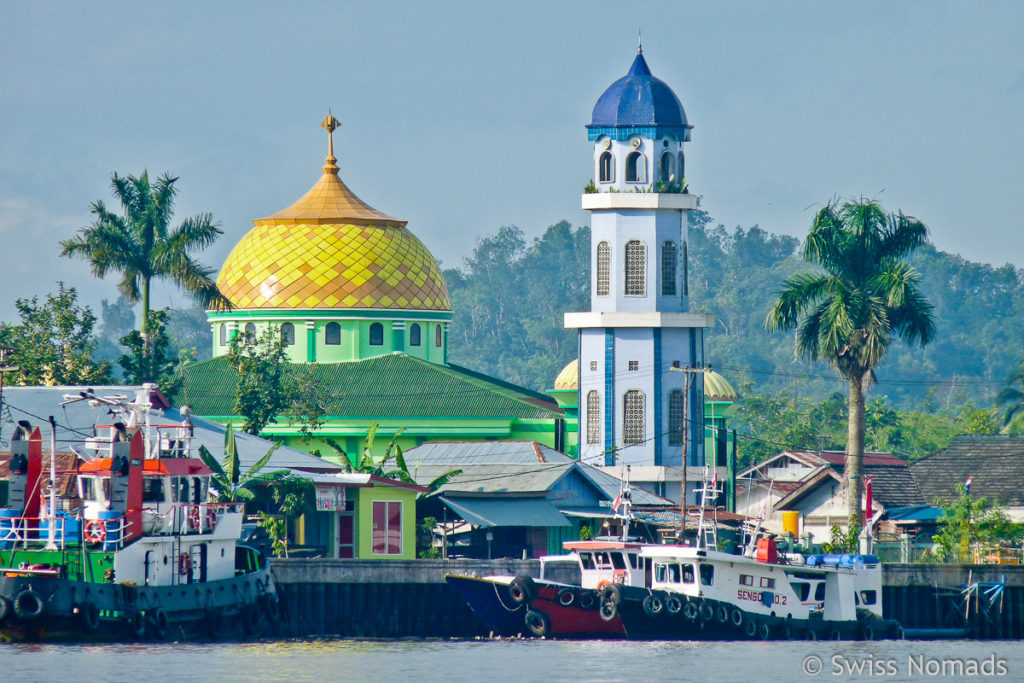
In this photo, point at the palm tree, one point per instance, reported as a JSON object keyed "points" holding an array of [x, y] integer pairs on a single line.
{"points": [[849, 314], [141, 246], [1011, 399]]}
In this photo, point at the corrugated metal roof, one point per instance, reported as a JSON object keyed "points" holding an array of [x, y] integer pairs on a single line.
{"points": [[483, 452], [507, 511], [393, 385], [490, 478]]}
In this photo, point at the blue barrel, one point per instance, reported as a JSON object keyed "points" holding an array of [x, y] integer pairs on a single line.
{"points": [[72, 529], [112, 526], [7, 525], [830, 560]]}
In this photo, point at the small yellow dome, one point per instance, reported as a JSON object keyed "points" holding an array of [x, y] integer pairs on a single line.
{"points": [[332, 250], [717, 388], [569, 377]]}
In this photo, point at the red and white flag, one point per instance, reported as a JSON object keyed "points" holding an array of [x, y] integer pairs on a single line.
{"points": [[617, 502]]}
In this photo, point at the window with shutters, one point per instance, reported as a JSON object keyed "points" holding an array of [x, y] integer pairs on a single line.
{"points": [[593, 417], [387, 527], [633, 417], [604, 268], [669, 254], [636, 269], [676, 418]]}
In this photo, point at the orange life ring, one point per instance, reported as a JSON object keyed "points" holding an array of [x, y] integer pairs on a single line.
{"points": [[184, 564], [94, 531], [602, 583], [211, 519], [193, 517]]}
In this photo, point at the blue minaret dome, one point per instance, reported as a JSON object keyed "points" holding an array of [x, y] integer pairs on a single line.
{"points": [[639, 104]]}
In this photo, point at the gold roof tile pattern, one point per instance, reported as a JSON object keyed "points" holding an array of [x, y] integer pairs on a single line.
{"points": [[332, 248]]}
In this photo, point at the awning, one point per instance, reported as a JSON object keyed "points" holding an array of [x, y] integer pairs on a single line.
{"points": [[588, 512], [507, 511]]}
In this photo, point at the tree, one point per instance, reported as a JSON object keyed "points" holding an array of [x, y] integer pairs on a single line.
{"points": [[269, 387], [1011, 399], [968, 524], [849, 314], [233, 485], [152, 362], [367, 463], [54, 342], [141, 246]]}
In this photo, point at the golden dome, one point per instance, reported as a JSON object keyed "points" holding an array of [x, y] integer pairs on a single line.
{"points": [[330, 249], [717, 388], [569, 377]]}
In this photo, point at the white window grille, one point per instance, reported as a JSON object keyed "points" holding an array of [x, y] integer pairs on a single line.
{"points": [[633, 417], [636, 269], [669, 254], [604, 267], [676, 418], [593, 417]]}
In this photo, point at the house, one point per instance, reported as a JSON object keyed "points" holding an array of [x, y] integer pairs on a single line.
{"points": [[810, 483], [994, 463], [516, 495], [357, 515]]}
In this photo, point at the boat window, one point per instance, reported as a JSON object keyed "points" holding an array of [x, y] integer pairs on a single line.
{"points": [[856, 599], [153, 491], [602, 561], [746, 580], [586, 561], [767, 582], [707, 575], [802, 589], [197, 490], [617, 561], [660, 573], [632, 560], [179, 488], [88, 488], [687, 573], [673, 573], [819, 592], [105, 488], [868, 597]]}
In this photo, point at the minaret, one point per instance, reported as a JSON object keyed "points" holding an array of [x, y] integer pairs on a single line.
{"points": [[639, 328]]}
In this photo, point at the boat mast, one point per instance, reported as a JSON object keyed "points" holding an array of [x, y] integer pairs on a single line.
{"points": [[51, 542]]}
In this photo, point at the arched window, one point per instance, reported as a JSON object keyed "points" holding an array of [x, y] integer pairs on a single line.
{"points": [[332, 334], [604, 266], [636, 269], [414, 335], [593, 417], [636, 168], [605, 168], [682, 167], [288, 334], [250, 331], [633, 417], [223, 334], [669, 254], [437, 336], [376, 334], [676, 418], [667, 172]]}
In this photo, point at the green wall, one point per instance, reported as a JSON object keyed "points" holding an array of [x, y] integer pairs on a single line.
{"points": [[365, 498]]}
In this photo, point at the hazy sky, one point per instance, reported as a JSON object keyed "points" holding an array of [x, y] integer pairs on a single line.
{"points": [[462, 117]]}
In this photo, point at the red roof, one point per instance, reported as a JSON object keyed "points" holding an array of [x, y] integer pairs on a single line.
{"points": [[171, 466]]}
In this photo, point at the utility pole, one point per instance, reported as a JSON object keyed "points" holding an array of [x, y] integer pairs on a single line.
{"points": [[690, 372]]}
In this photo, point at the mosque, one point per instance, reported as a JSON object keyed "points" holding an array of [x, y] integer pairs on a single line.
{"points": [[361, 301]]}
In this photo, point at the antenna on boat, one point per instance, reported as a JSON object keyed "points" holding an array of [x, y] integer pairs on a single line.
{"points": [[51, 542]]}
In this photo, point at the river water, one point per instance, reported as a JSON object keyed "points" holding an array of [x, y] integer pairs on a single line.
{"points": [[515, 660]]}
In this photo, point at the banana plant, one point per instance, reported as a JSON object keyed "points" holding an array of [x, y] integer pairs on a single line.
{"points": [[233, 485]]}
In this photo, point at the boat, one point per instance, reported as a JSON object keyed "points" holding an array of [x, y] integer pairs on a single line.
{"points": [[146, 555], [649, 591]]}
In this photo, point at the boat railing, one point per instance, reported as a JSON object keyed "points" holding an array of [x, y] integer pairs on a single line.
{"points": [[33, 532], [162, 440]]}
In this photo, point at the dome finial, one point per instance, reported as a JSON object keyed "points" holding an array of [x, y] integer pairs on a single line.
{"points": [[639, 41], [330, 124]]}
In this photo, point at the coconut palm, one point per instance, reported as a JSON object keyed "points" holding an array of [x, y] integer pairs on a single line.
{"points": [[1011, 400], [141, 246], [849, 314]]}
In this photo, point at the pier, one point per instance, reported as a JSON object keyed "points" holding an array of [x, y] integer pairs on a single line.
{"points": [[409, 598]]}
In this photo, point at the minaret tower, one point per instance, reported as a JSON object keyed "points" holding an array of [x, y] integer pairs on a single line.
{"points": [[639, 331]]}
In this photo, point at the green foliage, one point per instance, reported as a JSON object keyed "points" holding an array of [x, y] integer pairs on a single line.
{"points": [[54, 342], [508, 301], [379, 465], [277, 532], [152, 362], [425, 539], [270, 387], [968, 523], [231, 483], [586, 533], [590, 188], [140, 245], [843, 541], [293, 495]]}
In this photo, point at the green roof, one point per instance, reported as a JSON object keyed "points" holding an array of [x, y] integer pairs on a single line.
{"points": [[393, 385]]}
